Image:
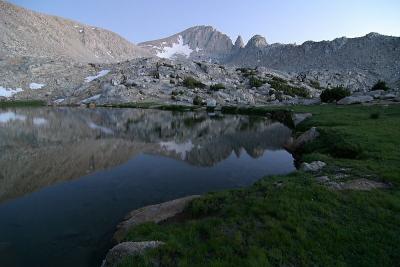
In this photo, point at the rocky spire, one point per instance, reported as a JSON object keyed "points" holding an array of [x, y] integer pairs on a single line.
{"points": [[239, 43]]}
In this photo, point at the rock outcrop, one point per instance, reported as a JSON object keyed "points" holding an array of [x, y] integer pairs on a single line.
{"points": [[154, 213], [355, 100], [125, 249]]}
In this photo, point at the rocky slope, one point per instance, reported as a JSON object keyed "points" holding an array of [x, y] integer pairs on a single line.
{"points": [[151, 80], [27, 33]]}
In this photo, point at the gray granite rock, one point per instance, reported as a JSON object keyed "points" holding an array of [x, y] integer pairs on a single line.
{"points": [[154, 213], [313, 166], [355, 100], [125, 249]]}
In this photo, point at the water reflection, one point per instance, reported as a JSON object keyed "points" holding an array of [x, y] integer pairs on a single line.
{"points": [[41, 146], [68, 176]]}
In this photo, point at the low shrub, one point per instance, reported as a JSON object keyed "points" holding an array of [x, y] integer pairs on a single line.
{"points": [[197, 100], [216, 87], [247, 72], [256, 82], [282, 86], [315, 84], [192, 83], [374, 116], [380, 85], [334, 94]]}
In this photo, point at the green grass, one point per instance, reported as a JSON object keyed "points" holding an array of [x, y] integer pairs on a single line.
{"points": [[22, 103], [292, 220]]}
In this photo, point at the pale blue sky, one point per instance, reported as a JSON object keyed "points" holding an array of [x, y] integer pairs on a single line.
{"points": [[285, 21]]}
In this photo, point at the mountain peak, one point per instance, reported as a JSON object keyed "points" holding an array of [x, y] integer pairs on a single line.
{"points": [[257, 41]]}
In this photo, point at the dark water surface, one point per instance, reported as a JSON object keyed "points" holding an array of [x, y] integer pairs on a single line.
{"points": [[68, 176]]}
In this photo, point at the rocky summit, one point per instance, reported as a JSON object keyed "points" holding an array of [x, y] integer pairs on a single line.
{"points": [[64, 62]]}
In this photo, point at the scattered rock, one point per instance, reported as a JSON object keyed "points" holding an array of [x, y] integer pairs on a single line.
{"points": [[322, 179], [122, 250], [363, 184], [355, 100], [388, 96], [211, 103], [313, 166], [154, 213]]}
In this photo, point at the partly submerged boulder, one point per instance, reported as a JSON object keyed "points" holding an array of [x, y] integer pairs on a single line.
{"points": [[154, 213]]}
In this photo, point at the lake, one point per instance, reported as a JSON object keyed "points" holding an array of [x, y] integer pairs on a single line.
{"points": [[69, 175]]}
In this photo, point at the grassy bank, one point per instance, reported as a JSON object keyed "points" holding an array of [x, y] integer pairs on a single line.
{"points": [[22, 103], [293, 220]]}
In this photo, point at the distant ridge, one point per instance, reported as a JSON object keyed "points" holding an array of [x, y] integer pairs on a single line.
{"points": [[27, 33], [374, 55]]}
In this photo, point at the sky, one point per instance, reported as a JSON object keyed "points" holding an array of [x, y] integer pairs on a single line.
{"points": [[283, 21]]}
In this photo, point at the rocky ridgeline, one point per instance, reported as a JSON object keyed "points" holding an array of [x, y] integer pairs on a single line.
{"points": [[27, 33], [356, 63]]}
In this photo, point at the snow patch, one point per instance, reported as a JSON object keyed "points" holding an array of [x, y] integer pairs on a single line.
{"points": [[180, 149], [11, 116], [35, 86], [39, 121], [105, 130], [95, 97], [59, 101], [99, 74], [8, 92], [176, 49], [198, 49]]}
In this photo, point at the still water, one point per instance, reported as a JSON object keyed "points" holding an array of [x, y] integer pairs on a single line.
{"points": [[69, 175]]}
